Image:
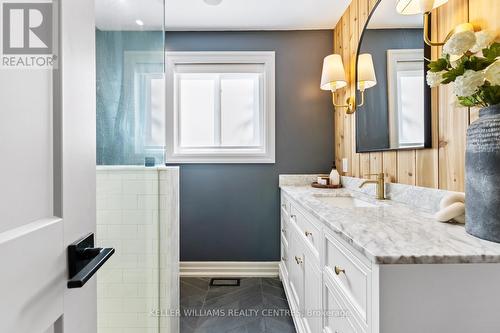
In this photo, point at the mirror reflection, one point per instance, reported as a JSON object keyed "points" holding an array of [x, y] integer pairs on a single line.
{"points": [[396, 112]]}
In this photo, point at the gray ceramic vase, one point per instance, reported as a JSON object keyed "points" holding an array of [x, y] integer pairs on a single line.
{"points": [[482, 175]]}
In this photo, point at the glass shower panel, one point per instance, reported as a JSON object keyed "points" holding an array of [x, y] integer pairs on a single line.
{"points": [[137, 207], [130, 69]]}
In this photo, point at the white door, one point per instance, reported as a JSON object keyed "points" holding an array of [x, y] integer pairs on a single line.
{"points": [[47, 182]]}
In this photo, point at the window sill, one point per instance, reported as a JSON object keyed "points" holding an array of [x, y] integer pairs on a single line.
{"points": [[219, 159]]}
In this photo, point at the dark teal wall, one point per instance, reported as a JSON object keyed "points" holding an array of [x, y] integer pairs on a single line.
{"points": [[231, 212]]}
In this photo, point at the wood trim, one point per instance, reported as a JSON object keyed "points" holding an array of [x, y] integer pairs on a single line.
{"points": [[441, 166], [478, 17], [406, 167], [453, 120], [229, 269], [376, 163], [390, 166]]}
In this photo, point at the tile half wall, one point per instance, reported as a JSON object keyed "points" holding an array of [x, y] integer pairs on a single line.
{"points": [[138, 215]]}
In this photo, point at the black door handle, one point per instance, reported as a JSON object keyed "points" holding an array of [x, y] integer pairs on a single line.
{"points": [[84, 260]]}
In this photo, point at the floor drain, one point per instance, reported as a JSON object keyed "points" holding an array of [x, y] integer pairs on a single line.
{"points": [[225, 282]]}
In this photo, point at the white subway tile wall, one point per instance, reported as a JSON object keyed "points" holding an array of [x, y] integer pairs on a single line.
{"points": [[138, 215]]}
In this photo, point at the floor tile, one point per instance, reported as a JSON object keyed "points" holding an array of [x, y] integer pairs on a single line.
{"points": [[200, 283], [279, 325], [272, 282], [255, 326], [273, 291], [234, 309]]}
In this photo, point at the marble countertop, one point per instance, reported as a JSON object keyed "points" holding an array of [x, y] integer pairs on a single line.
{"points": [[392, 232]]}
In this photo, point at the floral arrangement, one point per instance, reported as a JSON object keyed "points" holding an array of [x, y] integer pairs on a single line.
{"points": [[471, 60]]}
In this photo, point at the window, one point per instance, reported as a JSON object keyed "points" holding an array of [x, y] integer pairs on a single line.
{"points": [[406, 82], [143, 101], [220, 107], [150, 113]]}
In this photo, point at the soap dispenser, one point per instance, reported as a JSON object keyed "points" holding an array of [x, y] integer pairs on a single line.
{"points": [[334, 176]]}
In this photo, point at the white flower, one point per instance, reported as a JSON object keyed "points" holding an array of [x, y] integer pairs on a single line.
{"points": [[459, 43], [467, 84], [434, 79], [492, 73], [483, 39]]}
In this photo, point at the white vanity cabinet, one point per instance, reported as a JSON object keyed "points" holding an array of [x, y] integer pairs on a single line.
{"points": [[300, 268], [307, 270], [333, 288]]}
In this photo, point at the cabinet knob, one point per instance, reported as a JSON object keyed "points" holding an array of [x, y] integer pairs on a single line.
{"points": [[339, 270], [293, 216], [283, 258], [298, 260], [283, 229], [308, 233]]}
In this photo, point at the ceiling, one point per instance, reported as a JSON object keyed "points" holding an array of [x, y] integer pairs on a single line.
{"points": [[197, 15], [386, 17]]}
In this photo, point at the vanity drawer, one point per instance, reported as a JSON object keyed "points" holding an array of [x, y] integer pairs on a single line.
{"points": [[352, 276], [295, 265], [285, 204], [310, 232], [284, 258], [338, 316], [284, 229]]}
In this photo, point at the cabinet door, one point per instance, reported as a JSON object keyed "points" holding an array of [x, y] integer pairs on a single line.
{"points": [[284, 260], [338, 319], [296, 268], [312, 294]]}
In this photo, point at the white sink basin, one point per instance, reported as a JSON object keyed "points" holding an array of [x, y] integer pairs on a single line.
{"points": [[343, 202]]}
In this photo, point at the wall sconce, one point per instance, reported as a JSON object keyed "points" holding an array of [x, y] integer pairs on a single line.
{"points": [[333, 78], [412, 7], [366, 74]]}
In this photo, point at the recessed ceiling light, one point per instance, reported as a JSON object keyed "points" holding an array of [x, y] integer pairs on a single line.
{"points": [[213, 2], [139, 22]]}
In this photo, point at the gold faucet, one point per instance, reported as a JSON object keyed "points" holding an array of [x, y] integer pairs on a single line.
{"points": [[380, 184]]}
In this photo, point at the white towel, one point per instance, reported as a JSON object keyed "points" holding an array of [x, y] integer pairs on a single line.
{"points": [[452, 208]]}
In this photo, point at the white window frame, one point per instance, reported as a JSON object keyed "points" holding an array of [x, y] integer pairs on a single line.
{"points": [[134, 64], [265, 153], [394, 57]]}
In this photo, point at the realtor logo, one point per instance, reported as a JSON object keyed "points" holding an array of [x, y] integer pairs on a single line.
{"points": [[27, 35]]}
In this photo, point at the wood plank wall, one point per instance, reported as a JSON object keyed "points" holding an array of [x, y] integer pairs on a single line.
{"points": [[443, 165]]}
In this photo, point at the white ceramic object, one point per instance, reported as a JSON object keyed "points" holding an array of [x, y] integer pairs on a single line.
{"points": [[334, 177]]}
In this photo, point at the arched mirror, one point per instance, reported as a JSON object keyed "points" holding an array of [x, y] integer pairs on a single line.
{"points": [[396, 113]]}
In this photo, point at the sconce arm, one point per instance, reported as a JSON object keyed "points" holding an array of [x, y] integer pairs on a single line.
{"points": [[338, 105], [349, 104], [427, 39], [362, 98]]}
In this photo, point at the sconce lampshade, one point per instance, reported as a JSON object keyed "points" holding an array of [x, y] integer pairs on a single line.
{"points": [[333, 76], [366, 72], [412, 7]]}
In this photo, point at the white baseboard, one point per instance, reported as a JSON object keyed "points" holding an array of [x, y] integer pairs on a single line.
{"points": [[229, 269]]}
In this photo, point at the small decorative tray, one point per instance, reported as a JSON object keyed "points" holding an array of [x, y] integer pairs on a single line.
{"points": [[316, 185]]}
